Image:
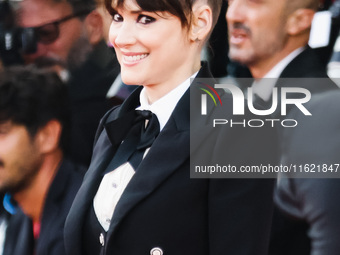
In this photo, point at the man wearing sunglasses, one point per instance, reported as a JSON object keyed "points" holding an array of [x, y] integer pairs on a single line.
{"points": [[69, 36]]}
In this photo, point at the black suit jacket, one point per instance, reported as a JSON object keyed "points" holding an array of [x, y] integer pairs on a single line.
{"points": [[307, 72], [305, 65], [19, 234], [163, 207], [304, 71]]}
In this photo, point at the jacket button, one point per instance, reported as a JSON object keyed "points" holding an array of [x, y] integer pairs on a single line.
{"points": [[156, 251], [101, 239]]}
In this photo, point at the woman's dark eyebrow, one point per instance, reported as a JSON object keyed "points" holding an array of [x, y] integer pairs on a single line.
{"points": [[136, 11]]}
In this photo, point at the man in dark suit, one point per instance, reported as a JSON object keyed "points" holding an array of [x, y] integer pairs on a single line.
{"points": [[39, 181], [270, 38], [70, 36]]}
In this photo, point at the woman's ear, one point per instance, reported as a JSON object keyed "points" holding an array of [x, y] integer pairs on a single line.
{"points": [[201, 24], [300, 21], [94, 27]]}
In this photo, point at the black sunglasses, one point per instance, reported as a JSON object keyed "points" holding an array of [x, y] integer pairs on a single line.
{"points": [[49, 32]]}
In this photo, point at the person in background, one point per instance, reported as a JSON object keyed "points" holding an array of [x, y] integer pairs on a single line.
{"points": [[4, 217], [334, 60], [3, 213], [271, 39], [106, 19], [70, 36], [311, 199], [38, 181]]}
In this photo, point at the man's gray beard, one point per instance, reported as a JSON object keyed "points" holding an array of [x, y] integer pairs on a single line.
{"points": [[77, 56], [46, 62], [79, 53]]}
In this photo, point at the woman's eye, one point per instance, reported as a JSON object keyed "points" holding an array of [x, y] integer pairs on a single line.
{"points": [[145, 19], [117, 18]]}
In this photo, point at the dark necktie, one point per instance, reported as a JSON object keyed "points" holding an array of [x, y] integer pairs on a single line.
{"points": [[148, 135], [139, 138]]}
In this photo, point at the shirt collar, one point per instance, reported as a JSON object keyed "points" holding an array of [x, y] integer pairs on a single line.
{"points": [[276, 71], [164, 106], [264, 87]]}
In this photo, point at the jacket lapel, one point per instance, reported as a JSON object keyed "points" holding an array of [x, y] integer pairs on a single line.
{"points": [[174, 144], [85, 195], [156, 167], [105, 147]]}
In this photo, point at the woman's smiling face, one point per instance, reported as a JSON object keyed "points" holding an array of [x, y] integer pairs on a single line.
{"points": [[152, 48]]}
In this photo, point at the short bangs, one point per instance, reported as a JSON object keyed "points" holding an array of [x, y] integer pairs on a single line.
{"points": [[179, 8]]}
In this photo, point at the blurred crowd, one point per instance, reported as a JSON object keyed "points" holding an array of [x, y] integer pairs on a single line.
{"points": [[59, 75]]}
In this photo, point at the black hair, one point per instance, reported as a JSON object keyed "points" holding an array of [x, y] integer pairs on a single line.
{"points": [[179, 8], [32, 97]]}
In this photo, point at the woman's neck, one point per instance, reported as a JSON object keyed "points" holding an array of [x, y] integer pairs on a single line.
{"points": [[157, 91]]}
